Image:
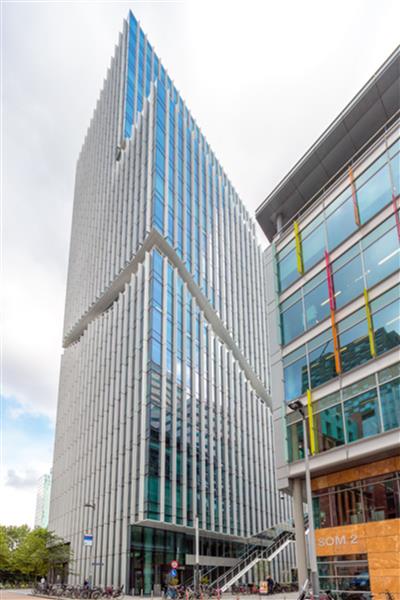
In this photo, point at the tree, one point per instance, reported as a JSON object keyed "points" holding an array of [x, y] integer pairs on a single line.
{"points": [[28, 554]]}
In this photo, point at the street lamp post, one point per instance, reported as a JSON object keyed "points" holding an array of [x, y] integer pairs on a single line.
{"points": [[298, 407], [197, 565], [92, 506]]}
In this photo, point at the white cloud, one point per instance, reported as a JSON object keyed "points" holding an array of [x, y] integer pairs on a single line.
{"points": [[21, 480]]}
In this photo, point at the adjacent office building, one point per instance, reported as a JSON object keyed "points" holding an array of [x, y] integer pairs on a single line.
{"points": [[163, 405], [334, 336], [43, 501]]}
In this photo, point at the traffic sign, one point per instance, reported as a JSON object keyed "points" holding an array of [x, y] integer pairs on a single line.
{"points": [[87, 539], [174, 564], [173, 572]]}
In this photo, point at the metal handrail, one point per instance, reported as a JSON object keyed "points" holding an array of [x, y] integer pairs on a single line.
{"points": [[257, 553]]}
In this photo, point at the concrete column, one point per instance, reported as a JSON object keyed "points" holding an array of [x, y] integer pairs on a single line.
{"points": [[301, 552]]}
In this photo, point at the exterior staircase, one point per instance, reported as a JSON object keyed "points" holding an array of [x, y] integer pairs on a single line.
{"points": [[253, 555]]}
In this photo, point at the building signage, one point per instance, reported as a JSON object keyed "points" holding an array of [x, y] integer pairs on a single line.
{"points": [[87, 539], [350, 539], [337, 540]]}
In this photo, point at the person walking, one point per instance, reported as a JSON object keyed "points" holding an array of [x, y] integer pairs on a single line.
{"points": [[270, 583]]}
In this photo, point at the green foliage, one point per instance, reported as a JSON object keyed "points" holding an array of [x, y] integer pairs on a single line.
{"points": [[28, 554]]}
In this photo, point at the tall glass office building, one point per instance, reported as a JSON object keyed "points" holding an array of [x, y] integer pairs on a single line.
{"points": [[334, 337], [162, 410]]}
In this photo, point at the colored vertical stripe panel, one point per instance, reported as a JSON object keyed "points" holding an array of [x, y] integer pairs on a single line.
{"points": [[396, 215], [336, 347], [370, 327], [329, 280], [354, 196], [299, 254], [310, 422]]}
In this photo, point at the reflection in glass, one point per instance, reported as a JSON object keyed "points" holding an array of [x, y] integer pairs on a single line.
{"points": [[348, 508], [341, 224], [382, 258], [292, 322], [287, 270], [387, 327], [348, 282], [313, 247], [390, 402], [354, 346], [322, 364], [374, 195], [295, 439], [329, 428], [362, 416], [381, 500], [296, 379], [316, 304]]}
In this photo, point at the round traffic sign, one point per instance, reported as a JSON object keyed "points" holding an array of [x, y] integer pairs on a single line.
{"points": [[174, 564]]}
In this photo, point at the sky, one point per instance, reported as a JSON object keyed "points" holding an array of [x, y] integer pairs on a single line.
{"points": [[262, 78]]}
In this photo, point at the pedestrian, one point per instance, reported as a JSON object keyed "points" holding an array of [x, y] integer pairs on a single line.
{"points": [[270, 583]]}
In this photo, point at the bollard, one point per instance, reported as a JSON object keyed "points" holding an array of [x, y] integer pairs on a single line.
{"points": [[141, 592]]}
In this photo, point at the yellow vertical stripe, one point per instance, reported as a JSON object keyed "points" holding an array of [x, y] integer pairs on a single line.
{"points": [[370, 327], [310, 422], [299, 255], [336, 347]]}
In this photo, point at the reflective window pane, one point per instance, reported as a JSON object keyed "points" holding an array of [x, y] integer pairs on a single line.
{"points": [[341, 224], [322, 511], [348, 506], [292, 322], [382, 258], [362, 416], [322, 364], [387, 327], [296, 379], [295, 441], [348, 282], [316, 305], [374, 195], [390, 402], [313, 247], [354, 346], [381, 500], [329, 427], [287, 270]]}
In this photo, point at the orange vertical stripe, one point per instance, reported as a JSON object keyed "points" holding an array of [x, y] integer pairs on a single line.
{"points": [[336, 347]]}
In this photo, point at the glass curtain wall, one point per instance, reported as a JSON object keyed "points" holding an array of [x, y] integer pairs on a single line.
{"points": [[363, 409], [374, 189], [373, 259], [313, 363]]}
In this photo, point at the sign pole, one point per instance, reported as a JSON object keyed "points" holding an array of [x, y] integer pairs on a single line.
{"points": [[197, 565]]}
